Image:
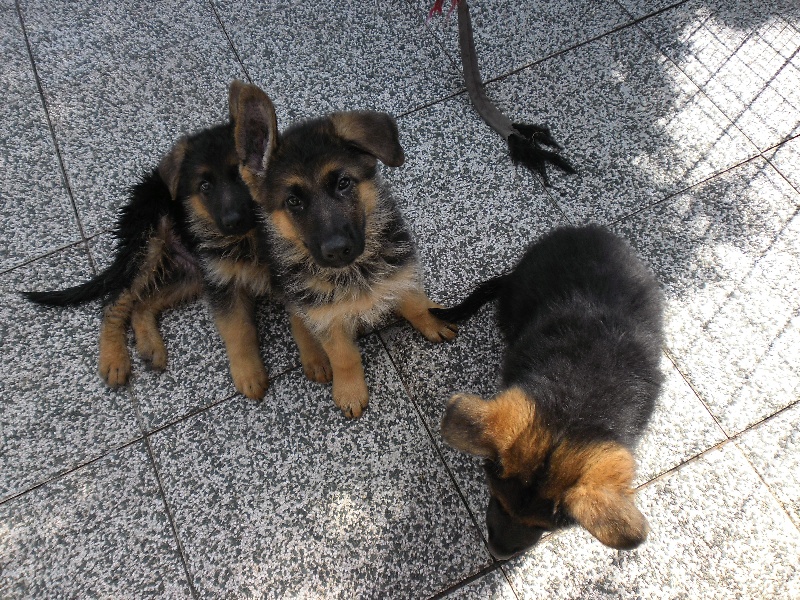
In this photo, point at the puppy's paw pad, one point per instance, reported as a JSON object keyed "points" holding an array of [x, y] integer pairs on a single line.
{"points": [[252, 381], [115, 370], [437, 331], [155, 358], [353, 401], [318, 370]]}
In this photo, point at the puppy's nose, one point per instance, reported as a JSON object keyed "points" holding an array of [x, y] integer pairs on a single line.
{"points": [[233, 220], [337, 250]]}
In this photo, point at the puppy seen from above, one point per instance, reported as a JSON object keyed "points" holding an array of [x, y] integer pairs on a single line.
{"points": [[188, 229], [341, 254], [581, 317]]}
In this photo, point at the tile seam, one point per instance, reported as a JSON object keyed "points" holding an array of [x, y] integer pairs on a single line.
{"points": [[62, 166]]}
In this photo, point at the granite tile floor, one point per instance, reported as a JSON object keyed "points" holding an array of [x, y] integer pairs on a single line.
{"points": [[683, 119]]}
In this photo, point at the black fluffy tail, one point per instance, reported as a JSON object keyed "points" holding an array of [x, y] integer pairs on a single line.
{"points": [[485, 292], [110, 281], [150, 199]]}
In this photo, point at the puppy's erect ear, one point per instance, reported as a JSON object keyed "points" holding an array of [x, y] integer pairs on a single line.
{"points": [[602, 499], [256, 131], [501, 429], [373, 132], [170, 166], [233, 97]]}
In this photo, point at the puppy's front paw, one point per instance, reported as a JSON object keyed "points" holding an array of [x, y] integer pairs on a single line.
{"points": [[434, 329], [317, 367], [115, 367], [250, 378], [351, 397]]}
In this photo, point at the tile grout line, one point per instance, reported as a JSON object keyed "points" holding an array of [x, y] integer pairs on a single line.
{"points": [[170, 517], [70, 471], [436, 447], [467, 580], [671, 195], [59, 156], [634, 22], [769, 487], [671, 357], [162, 491], [717, 446], [230, 40]]}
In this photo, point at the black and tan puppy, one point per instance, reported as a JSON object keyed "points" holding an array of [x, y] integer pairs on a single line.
{"points": [[582, 319], [341, 253], [188, 229]]}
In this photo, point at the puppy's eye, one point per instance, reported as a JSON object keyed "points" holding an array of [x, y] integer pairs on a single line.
{"points": [[294, 202], [205, 186], [344, 183]]}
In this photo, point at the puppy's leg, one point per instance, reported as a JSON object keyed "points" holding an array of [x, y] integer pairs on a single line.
{"points": [[414, 307], [315, 362], [349, 388], [234, 314], [149, 342], [115, 362]]}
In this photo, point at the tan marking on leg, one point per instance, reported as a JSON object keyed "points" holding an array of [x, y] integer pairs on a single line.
{"points": [[114, 361], [237, 326], [315, 362], [149, 342], [349, 388], [414, 309]]}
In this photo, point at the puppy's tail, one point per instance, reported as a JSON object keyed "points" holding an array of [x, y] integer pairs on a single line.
{"points": [[485, 292], [137, 221], [110, 281]]}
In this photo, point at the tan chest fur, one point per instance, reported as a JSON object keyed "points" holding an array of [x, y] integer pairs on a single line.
{"points": [[248, 275], [354, 311]]}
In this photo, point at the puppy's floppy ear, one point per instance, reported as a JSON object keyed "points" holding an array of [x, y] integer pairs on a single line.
{"points": [[233, 98], [602, 498], [170, 166], [373, 132], [256, 131], [492, 428], [464, 426]]}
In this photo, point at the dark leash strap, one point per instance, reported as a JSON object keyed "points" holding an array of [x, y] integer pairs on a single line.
{"points": [[524, 140]]}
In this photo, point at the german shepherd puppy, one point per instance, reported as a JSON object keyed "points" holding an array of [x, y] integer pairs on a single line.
{"points": [[582, 319], [188, 229], [340, 251]]}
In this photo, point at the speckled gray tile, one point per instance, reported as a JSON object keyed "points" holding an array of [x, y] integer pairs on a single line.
{"points": [[469, 209], [786, 159], [197, 373], [316, 57], [773, 448], [511, 35], [681, 427], [287, 498], [55, 411], [34, 205], [434, 372], [745, 55], [100, 532], [642, 8], [724, 251], [633, 125], [716, 533], [120, 89], [493, 586]]}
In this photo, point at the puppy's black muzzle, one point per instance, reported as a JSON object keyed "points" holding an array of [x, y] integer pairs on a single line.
{"points": [[507, 538], [337, 244]]}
